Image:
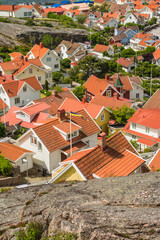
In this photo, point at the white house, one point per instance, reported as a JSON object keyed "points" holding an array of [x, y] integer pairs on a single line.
{"points": [[147, 10], [67, 49], [131, 18], [100, 49], [102, 23], [51, 141], [47, 57], [144, 127], [15, 11], [21, 92], [16, 155]]}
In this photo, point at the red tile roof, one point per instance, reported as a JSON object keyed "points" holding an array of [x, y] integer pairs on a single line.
{"points": [[74, 106], [65, 127], [57, 100], [153, 101], [75, 147], [155, 162], [127, 85], [118, 159], [125, 62], [156, 54], [39, 51], [147, 142], [100, 48], [12, 88], [147, 117], [12, 152], [16, 54], [110, 102], [52, 138], [35, 108], [95, 85], [3, 105]]}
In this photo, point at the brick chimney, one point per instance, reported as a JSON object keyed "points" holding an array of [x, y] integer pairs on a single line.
{"points": [[41, 45], [54, 93], [84, 99], [101, 139], [61, 114], [107, 77], [12, 7], [0, 73], [26, 59], [86, 93], [116, 95]]}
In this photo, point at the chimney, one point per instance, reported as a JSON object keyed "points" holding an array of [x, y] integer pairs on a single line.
{"points": [[41, 45], [0, 73], [61, 114], [84, 99], [86, 93], [107, 77], [12, 77], [115, 96], [26, 59], [12, 7], [101, 139]]}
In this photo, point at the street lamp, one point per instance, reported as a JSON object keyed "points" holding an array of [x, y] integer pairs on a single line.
{"points": [[26, 161]]}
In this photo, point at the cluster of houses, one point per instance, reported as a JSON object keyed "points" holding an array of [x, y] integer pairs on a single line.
{"points": [[68, 137]]}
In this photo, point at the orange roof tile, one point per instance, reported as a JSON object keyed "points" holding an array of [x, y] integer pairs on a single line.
{"points": [[35, 108], [65, 127], [16, 54], [147, 142], [100, 48], [153, 101], [75, 147], [3, 105], [52, 138], [112, 15], [127, 85], [95, 85], [110, 102], [118, 159], [125, 62], [39, 51], [156, 54], [12, 152], [155, 162]]}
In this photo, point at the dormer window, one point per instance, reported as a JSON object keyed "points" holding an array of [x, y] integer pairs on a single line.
{"points": [[24, 89], [30, 70], [74, 134]]}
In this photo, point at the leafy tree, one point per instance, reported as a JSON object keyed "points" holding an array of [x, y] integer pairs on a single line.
{"points": [[152, 21], [81, 18], [5, 166], [58, 89], [29, 22], [67, 80], [73, 73], [127, 53], [57, 77], [134, 143], [2, 130], [47, 40], [66, 63], [79, 92], [121, 115], [149, 50]]}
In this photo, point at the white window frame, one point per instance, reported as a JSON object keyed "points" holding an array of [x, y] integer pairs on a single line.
{"points": [[48, 59], [147, 130], [30, 70], [17, 100], [33, 140], [102, 117], [39, 145], [109, 93], [39, 78], [24, 89]]}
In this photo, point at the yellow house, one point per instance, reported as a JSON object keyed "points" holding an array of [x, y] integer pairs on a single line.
{"points": [[99, 113], [25, 68]]}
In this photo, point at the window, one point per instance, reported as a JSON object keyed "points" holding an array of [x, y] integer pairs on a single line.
{"points": [[134, 125], [25, 14], [39, 79], [24, 89], [33, 140], [30, 14], [147, 129], [50, 75], [108, 93], [137, 95], [39, 146], [56, 65], [102, 117], [74, 134], [133, 137], [49, 59], [23, 161], [30, 70], [17, 100], [46, 75]]}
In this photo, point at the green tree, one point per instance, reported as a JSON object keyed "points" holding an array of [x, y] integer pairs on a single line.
{"points": [[134, 143], [149, 50], [79, 92], [2, 130], [73, 73], [46, 85], [65, 63], [58, 89], [121, 115], [67, 80], [47, 41], [57, 76], [127, 53], [5, 166], [81, 18]]}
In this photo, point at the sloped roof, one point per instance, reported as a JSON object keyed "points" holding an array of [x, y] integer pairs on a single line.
{"points": [[55, 101], [35, 108], [12, 88], [39, 51], [95, 85], [100, 48], [125, 81], [156, 54], [52, 138], [153, 102], [3, 105], [136, 79], [155, 162], [125, 62], [75, 105], [12, 152], [16, 54], [110, 102], [118, 159]]}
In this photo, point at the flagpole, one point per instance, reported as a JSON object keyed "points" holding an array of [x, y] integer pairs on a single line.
{"points": [[70, 136]]}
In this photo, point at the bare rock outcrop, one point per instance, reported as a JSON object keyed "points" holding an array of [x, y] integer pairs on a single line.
{"points": [[110, 208]]}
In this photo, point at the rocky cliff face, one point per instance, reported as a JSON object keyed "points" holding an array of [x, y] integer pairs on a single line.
{"points": [[111, 208], [12, 33]]}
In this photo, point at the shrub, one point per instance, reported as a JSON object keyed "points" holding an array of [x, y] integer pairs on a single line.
{"points": [[5, 189], [146, 150], [33, 232], [62, 236], [134, 143], [5, 166], [65, 63], [29, 22], [58, 89], [57, 76], [2, 130]]}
